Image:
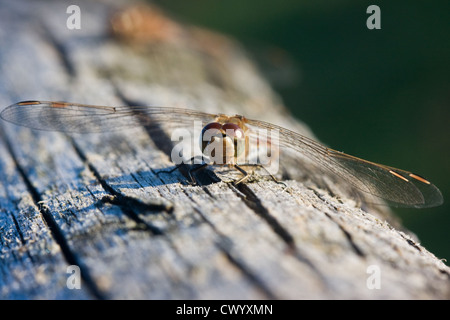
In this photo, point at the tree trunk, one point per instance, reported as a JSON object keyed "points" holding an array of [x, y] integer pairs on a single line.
{"points": [[102, 204]]}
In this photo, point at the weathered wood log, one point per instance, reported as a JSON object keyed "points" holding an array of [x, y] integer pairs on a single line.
{"points": [[103, 203]]}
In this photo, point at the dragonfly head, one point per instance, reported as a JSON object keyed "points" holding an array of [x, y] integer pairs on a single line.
{"points": [[223, 143]]}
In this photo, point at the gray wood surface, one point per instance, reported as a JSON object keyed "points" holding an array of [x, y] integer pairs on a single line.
{"points": [[101, 201]]}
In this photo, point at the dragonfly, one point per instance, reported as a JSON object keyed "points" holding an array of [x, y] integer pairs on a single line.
{"points": [[237, 136]]}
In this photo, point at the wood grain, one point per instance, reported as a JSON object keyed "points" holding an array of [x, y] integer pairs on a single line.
{"points": [[105, 203]]}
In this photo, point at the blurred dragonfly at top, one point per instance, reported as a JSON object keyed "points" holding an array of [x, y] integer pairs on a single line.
{"points": [[230, 140]]}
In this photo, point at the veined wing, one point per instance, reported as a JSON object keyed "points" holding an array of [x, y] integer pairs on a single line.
{"points": [[82, 118], [396, 186]]}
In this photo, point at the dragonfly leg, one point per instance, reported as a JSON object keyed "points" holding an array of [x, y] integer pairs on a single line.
{"points": [[191, 160], [245, 173], [191, 171], [268, 173]]}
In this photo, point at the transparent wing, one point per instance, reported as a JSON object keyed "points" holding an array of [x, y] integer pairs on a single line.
{"points": [[80, 118], [397, 187]]}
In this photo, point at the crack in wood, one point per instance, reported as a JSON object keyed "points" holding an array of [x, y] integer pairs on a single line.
{"points": [[126, 203], [21, 237], [254, 203], [19, 231], [345, 232], [348, 236], [57, 234], [225, 246], [411, 242], [257, 281]]}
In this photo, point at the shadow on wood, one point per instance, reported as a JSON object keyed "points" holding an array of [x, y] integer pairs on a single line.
{"points": [[100, 202]]}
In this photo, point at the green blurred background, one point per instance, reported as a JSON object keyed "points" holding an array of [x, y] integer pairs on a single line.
{"points": [[382, 95]]}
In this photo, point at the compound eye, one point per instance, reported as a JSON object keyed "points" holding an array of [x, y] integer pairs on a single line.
{"points": [[215, 127], [211, 130], [233, 131]]}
